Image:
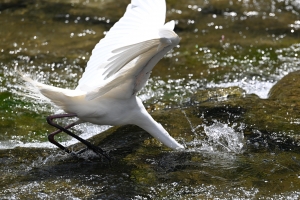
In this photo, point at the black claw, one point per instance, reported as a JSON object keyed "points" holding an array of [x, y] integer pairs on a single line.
{"points": [[99, 151], [81, 151]]}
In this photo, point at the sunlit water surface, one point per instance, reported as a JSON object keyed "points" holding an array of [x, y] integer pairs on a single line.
{"points": [[54, 46]]}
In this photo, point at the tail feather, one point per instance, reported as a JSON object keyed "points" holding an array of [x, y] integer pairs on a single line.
{"points": [[59, 96], [30, 89]]}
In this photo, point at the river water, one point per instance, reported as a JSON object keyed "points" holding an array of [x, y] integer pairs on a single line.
{"points": [[249, 44]]}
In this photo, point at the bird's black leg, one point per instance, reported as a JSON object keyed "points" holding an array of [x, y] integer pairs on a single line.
{"points": [[50, 119], [53, 141]]}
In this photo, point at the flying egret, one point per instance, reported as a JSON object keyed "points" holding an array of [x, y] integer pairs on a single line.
{"points": [[119, 67]]}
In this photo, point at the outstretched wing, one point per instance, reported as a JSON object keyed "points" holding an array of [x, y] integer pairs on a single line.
{"points": [[138, 61], [140, 23]]}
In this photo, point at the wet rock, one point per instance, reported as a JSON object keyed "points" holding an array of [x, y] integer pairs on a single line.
{"points": [[276, 118], [287, 89], [176, 121]]}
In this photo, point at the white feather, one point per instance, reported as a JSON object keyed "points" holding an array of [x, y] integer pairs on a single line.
{"points": [[119, 67], [141, 22]]}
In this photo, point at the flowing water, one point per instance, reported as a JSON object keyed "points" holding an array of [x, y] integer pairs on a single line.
{"points": [[244, 43]]}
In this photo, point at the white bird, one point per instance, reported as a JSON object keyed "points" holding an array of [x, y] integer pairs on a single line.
{"points": [[119, 67]]}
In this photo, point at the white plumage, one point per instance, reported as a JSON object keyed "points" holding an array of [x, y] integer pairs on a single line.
{"points": [[119, 67]]}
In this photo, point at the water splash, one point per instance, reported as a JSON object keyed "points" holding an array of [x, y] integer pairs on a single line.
{"points": [[224, 138], [220, 137]]}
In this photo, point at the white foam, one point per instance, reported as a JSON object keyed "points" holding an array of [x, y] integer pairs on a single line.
{"points": [[259, 88], [224, 137], [220, 137]]}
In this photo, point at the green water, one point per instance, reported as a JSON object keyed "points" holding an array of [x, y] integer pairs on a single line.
{"points": [[250, 44]]}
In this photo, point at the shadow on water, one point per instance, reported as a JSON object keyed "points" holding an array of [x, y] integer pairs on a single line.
{"points": [[238, 145]]}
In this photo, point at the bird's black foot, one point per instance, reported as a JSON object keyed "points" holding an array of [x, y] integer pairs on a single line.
{"points": [[95, 149], [90, 146], [99, 151]]}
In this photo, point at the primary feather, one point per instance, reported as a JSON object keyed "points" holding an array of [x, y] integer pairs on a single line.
{"points": [[135, 33]]}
